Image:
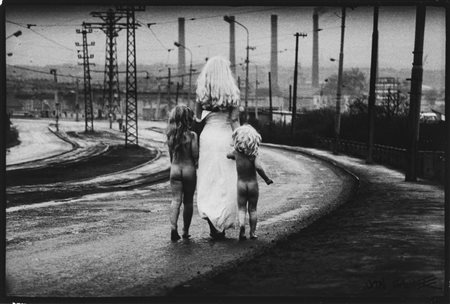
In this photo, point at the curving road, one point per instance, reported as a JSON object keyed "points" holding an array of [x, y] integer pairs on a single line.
{"points": [[84, 146], [36, 142], [117, 243]]}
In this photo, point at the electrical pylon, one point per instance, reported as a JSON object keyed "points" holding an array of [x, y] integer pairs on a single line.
{"points": [[131, 118], [111, 27], [111, 88], [88, 111]]}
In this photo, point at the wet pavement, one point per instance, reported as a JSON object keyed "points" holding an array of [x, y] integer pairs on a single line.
{"points": [[36, 142], [83, 147], [117, 244], [384, 245], [385, 241]]}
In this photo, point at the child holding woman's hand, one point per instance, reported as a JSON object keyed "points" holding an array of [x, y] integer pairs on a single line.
{"points": [[183, 149], [246, 142]]}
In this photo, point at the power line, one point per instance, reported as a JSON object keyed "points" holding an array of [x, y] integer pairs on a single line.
{"points": [[51, 40], [37, 33], [154, 34], [48, 25], [220, 16], [42, 72], [18, 24]]}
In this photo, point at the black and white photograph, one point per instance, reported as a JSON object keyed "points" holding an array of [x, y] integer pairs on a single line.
{"points": [[228, 152]]}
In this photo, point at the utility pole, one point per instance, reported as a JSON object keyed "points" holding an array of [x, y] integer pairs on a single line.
{"points": [[88, 111], [294, 97], [158, 102], [274, 51], [232, 46], [247, 61], [181, 51], [290, 97], [168, 91], [190, 104], [181, 45], [372, 95], [111, 27], [337, 120], [315, 55], [176, 95], [131, 108], [256, 93], [53, 71], [270, 99], [416, 93], [77, 105]]}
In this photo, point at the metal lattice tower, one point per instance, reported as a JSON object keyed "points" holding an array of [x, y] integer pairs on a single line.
{"points": [[111, 89], [88, 111], [111, 27], [131, 118]]}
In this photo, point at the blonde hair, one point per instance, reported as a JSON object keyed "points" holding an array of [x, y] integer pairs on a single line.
{"points": [[216, 86], [179, 125], [246, 140]]}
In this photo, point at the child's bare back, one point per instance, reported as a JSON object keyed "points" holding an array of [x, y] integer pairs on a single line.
{"points": [[183, 151], [185, 161], [246, 142]]}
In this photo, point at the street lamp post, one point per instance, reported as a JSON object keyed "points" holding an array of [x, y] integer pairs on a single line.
{"points": [[190, 69], [337, 123], [256, 92], [229, 20], [57, 105]]}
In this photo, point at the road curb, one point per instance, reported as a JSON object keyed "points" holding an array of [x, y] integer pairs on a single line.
{"points": [[320, 157]]}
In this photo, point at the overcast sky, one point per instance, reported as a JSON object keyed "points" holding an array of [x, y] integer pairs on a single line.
{"points": [[52, 40]]}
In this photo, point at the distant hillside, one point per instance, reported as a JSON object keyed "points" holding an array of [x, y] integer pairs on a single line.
{"points": [[431, 78]]}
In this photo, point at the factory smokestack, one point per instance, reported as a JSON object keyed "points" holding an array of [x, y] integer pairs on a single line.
{"points": [[315, 55], [274, 52], [181, 50]]}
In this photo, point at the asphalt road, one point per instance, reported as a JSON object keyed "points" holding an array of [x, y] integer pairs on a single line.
{"points": [[117, 243], [39, 142], [86, 148]]}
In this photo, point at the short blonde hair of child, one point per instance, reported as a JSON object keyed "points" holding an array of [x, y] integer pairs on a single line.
{"points": [[246, 140], [216, 86]]}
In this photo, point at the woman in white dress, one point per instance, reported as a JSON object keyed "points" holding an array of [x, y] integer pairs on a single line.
{"points": [[217, 106]]}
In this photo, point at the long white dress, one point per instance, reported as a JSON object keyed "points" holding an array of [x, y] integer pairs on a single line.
{"points": [[216, 175]]}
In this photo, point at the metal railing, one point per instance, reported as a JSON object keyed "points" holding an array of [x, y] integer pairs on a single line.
{"points": [[431, 164]]}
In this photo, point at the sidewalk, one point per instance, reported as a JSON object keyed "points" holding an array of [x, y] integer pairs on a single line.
{"points": [[386, 243]]}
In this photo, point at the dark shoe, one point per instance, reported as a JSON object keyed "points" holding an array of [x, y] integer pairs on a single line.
{"points": [[174, 236], [242, 238], [186, 236], [217, 235]]}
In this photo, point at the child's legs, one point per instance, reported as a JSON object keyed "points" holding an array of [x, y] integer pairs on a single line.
{"points": [[177, 197], [242, 204], [189, 184], [253, 194]]}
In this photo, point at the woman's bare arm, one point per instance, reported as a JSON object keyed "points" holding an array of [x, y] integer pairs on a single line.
{"points": [[234, 117], [198, 111], [194, 148]]}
